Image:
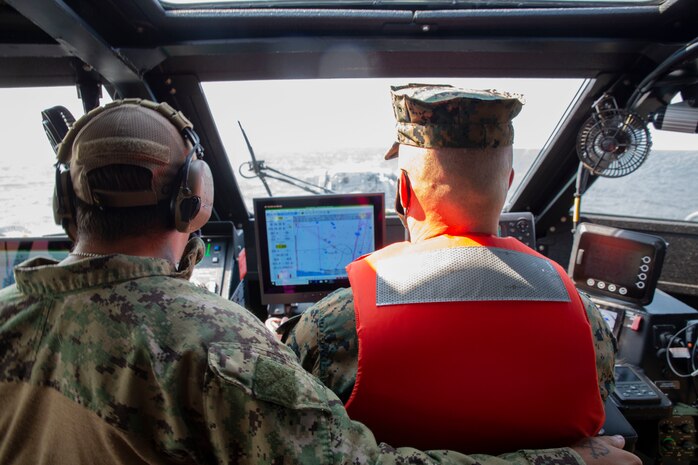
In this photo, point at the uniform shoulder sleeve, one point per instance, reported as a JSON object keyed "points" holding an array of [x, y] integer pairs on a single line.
{"points": [[326, 342], [604, 346], [262, 407]]}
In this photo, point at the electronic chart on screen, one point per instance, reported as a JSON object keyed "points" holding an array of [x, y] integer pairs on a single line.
{"points": [[305, 243], [315, 244]]}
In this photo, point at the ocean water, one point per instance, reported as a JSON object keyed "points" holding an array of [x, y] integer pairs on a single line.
{"points": [[664, 187]]}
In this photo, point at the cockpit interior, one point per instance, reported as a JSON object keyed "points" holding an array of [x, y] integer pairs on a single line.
{"points": [[290, 99]]}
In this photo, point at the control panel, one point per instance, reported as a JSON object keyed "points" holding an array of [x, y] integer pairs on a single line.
{"points": [[217, 270], [210, 272], [677, 438], [519, 225], [644, 335]]}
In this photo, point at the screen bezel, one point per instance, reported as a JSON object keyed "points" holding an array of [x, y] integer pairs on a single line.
{"points": [[271, 294], [619, 317], [54, 247]]}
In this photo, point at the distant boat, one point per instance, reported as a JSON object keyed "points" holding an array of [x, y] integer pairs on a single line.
{"points": [[352, 179]]}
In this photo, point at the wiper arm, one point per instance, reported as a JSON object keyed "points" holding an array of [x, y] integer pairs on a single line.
{"points": [[254, 165], [262, 171]]}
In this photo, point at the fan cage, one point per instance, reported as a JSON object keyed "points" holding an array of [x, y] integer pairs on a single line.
{"points": [[613, 143]]}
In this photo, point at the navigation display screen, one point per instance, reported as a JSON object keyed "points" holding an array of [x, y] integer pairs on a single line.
{"points": [[305, 243], [615, 262], [315, 244]]}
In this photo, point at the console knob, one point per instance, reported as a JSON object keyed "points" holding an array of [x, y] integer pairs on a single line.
{"points": [[687, 428], [688, 445], [668, 444]]}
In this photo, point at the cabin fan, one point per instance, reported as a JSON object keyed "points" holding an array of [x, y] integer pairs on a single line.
{"points": [[612, 143]]}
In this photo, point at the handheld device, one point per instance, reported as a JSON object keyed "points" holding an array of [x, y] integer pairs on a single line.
{"points": [[632, 388]]}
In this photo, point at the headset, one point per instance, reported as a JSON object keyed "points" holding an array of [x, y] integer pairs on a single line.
{"points": [[192, 200]]}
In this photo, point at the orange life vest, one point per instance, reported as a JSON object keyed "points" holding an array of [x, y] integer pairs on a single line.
{"points": [[477, 344]]}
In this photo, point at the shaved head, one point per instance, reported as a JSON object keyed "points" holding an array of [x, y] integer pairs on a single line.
{"points": [[458, 186]]}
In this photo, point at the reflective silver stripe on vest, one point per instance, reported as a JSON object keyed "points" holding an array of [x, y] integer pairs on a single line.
{"points": [[467, 274]]}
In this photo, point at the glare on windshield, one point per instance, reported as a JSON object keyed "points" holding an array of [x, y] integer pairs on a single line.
{"points": [[330, 135]]}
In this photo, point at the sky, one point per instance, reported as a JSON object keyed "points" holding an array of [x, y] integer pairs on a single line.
{"points": [[333, 113], [294, 116], [305, 115]]}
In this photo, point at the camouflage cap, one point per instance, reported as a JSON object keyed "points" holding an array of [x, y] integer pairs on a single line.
{"points": [[431, 115], [126, 132]]}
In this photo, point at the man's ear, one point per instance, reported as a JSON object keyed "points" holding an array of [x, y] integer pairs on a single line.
{"points": [[405, 190], [511, 177]]}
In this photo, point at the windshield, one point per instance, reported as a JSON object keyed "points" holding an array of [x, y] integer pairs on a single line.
{"points": [[661, 188], [28, 175], [332, 134]]}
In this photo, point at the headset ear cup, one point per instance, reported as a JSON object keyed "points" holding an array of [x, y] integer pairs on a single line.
{"points": [[64, 201], [194, 202]]}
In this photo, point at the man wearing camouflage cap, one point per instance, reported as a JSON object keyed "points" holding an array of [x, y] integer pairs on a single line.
{"points": [[113, 356], [457, 338]]}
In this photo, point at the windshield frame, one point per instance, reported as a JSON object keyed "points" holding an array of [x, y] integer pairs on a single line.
{"points": [[180, 5]]}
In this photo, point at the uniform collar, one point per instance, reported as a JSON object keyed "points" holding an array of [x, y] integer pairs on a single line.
{"points": [[46, 276]]}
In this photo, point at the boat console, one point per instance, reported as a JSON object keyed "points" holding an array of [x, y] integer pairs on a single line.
{"points": [[656, 335], [220, 270]]}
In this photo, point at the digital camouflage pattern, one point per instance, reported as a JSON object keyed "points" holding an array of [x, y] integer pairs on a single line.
{"points": [[444, 116], [605, 346], [326, 342], [120, 359]]}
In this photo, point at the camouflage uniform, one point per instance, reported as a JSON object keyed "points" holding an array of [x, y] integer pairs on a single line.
{"points": [[120, 359]]}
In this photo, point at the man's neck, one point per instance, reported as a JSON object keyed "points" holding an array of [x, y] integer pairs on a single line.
{"points": [[168, 245], [423, 230]]}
